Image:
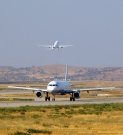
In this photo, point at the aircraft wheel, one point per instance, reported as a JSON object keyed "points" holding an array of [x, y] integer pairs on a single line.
{"points": [[49, 98], [45, 98], [70, 98], [53, 99]]}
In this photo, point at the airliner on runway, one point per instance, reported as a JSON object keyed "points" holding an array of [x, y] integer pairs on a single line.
{"points": [[55, 46], [60, 88]]}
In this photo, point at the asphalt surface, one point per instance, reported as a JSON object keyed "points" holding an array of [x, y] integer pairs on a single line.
{"points": [[59, 101]]}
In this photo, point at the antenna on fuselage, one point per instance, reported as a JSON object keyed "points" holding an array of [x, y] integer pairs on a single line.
{"points": [[66, 73]]}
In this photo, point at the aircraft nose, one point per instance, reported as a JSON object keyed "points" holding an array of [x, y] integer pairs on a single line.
{"points": [[51, 87]]}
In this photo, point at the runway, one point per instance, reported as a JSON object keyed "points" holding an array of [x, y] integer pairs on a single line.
{"points": [[61, 101]]}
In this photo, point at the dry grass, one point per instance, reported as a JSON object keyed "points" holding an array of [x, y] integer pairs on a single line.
{"points": [[64, 120]]}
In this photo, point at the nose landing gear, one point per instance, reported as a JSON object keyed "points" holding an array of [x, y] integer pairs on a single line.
{"points": [[53, 99]]}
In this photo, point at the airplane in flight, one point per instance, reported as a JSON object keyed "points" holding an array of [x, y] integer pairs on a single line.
{"points": [[60, 88], [55, 46]]}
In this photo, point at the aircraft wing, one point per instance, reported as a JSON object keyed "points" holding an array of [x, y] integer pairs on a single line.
{"points": [[48, 46], [28, 88], [96, 89], [62, 46], [89, 89]]}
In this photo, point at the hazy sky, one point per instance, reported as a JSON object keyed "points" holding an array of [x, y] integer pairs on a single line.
{"points": [[94, 27]]}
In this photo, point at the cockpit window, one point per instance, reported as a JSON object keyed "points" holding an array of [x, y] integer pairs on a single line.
{"points": [[53, 85]]}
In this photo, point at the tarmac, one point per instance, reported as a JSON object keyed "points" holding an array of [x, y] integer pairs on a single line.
{"points": [[61, 101]]}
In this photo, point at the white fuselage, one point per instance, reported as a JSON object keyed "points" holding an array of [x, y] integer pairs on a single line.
{"points": [[56, 45], [57, 86]]}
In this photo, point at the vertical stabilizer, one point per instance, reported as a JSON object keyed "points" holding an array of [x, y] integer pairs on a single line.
{"points": [[66, 73]]}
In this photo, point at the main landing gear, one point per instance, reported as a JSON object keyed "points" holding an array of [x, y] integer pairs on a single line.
{"points": [[72, 97], [47, 98]]}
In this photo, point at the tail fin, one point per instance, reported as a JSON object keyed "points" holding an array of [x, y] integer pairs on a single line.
{"points": [[66, 73]]}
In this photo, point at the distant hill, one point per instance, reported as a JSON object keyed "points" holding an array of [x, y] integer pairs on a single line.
{"points": [[50, 72]]}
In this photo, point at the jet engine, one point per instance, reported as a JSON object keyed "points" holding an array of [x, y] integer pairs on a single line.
{"points": [[39, 94], [77, 94]]}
